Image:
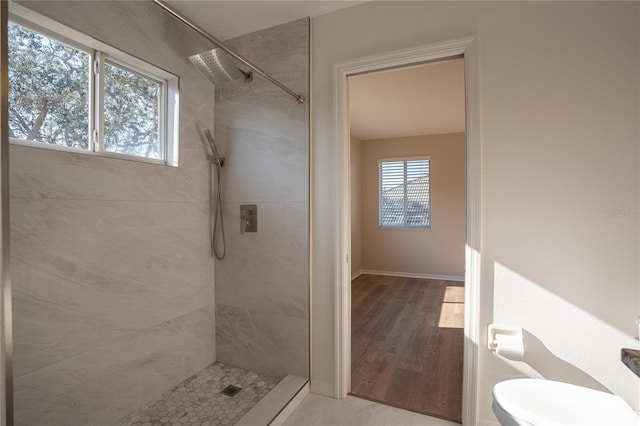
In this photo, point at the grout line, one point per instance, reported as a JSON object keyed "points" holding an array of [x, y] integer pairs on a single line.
{"points": [[266, 202], [113, 341], [110, 200]]}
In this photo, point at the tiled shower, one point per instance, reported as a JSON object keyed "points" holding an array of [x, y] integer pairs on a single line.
{"points": [[262, 310], [116, 297]]}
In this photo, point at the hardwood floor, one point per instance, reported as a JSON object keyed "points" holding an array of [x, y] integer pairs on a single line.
{"points": [[407, 337]]}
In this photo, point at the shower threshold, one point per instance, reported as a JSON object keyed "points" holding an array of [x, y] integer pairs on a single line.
{"points": [[199, 401]]}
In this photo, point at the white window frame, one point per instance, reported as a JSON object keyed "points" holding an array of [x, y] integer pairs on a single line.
{"points": [[403, 227], [100, 52]]}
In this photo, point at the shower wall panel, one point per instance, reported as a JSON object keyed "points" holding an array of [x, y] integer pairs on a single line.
{"points": [[113, 281], [262, 285]]}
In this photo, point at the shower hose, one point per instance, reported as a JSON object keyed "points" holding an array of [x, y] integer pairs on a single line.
{"points": [[215, 213]]}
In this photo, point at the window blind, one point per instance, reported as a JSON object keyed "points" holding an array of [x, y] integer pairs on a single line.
{"points": [[404, 194]]}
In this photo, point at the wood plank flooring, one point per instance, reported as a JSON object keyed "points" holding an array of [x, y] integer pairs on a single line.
{"points": [[407, 338]]}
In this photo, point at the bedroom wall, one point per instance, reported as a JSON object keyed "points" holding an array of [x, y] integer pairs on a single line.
{"points": [[437, 252]]}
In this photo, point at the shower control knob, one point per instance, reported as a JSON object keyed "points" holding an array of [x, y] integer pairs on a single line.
{"points": [[248, 218]]}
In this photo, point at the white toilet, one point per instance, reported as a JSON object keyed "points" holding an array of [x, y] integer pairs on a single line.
{"points": [[537, 402]]}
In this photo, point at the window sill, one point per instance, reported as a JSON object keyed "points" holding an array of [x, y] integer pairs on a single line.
{"points": [[102, 154], [402, 228]]}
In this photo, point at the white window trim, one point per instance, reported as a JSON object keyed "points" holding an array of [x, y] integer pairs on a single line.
{"points": [[169, 111], [402, 228]]}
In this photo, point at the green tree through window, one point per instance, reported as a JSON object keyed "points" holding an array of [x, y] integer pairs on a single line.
{"points": [[131, 104], [48, 90], [59, 96]]}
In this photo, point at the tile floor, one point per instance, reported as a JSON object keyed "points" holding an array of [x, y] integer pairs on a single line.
{"points": [[318, 410], [198, 402]]}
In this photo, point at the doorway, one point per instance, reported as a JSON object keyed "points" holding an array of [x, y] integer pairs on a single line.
{"points": [[467, 47], [407, 344], [407, 170]]}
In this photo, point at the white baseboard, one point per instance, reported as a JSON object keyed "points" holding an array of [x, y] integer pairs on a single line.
{"points": [[322, 388], [410, 275], [485, 422], [291, 406], [356, 274]]}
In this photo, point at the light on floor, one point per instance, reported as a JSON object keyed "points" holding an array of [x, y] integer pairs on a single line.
{"points": [[452, 312]]}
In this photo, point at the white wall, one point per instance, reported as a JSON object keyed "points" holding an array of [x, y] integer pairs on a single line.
{"points": [[356, 203], [438, 251], [559, 96]]}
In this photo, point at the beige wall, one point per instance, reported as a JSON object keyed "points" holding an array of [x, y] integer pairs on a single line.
{"points": [[438, 251], [559, 108], [356, 205]]}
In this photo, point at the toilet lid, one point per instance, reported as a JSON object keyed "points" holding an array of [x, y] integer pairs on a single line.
{"points": [[549, 403]]}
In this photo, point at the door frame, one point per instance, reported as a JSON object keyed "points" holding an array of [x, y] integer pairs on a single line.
{"points": [[468, 48]]}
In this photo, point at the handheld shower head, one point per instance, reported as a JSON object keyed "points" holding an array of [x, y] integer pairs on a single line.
{"points": [[215, 156]]}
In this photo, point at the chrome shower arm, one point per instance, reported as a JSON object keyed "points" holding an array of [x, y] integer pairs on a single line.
{"points": [[195, 27]]}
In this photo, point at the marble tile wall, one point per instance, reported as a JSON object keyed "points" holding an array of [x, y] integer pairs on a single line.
{"points": [[112, 277], [262, 285]]}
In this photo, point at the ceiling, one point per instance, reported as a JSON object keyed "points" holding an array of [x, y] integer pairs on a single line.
{"points": [[229, 19], [422, 100]]}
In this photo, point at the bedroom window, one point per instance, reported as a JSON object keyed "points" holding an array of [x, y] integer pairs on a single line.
{"points": [[404, 193], [68, 91]]}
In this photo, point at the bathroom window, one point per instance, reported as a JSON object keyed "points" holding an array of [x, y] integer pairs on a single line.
{"points": [[68, 91], [404, 193], [131, 127]]}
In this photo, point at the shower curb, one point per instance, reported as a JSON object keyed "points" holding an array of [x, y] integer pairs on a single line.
{"points": [[269, 410]]}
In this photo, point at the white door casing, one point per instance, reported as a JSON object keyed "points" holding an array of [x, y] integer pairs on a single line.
{"points": [[467, 47]]}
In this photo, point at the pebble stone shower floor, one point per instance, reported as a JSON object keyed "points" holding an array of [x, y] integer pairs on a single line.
{"points": [[198, 402]]}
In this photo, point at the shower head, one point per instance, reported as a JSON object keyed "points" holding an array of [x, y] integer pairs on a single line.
{"points": [[215, 156], [219, 67]]}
